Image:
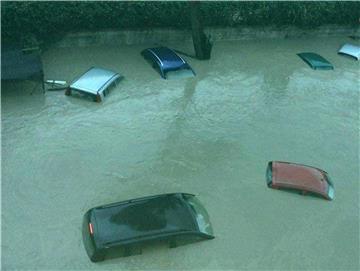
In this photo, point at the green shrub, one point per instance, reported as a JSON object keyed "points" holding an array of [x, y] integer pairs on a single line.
{"points": [[45, 20]]}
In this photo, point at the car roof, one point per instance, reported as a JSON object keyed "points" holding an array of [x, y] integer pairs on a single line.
{"points": [[94, 80], [351, 50], [142, 218], [168, 58], [284, 173], [315, 61]]}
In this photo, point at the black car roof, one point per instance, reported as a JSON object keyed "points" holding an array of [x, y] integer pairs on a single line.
{"points": [[166, 57], [315, 61], [141, 218]]}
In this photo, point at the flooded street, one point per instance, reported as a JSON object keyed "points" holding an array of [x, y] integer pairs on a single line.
{"points": [[211, 135]]}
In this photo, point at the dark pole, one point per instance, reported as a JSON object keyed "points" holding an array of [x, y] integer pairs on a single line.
{"points": [[201, 42]]}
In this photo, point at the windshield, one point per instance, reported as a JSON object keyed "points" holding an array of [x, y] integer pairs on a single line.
{"points": [[201, 215], [181, 73], [269, 173]]}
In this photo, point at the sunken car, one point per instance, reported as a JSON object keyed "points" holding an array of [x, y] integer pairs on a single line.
{"points": [[315, 61], [124, 227], [95, 82], [306, 179], [165, 60], [350, 50]]}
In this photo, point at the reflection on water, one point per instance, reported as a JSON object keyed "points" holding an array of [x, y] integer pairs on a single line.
{"points": [[152, 216], [211, 135], [134, 217]]}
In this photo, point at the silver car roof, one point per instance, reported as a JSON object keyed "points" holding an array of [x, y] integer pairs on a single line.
{"points": [[351, 50], [94, 80]]}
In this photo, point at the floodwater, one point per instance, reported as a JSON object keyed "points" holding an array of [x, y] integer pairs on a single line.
{"points": [[211, 135]]}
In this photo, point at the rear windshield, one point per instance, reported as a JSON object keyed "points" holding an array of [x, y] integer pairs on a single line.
{"points": [[202, 217]]}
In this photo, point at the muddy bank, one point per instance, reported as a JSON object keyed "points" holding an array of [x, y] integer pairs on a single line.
{"points": [[157, 36]]}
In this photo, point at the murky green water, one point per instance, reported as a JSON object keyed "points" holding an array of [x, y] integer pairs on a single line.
{"points": [[212, 135]]}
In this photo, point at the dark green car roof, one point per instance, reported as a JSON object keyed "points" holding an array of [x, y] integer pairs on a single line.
{"points": [[141, 219], [316, 61]]}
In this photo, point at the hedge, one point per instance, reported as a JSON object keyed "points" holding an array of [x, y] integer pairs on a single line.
{"points": [[46, 20]]}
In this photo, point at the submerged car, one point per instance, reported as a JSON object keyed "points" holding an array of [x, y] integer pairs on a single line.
{"points": [[165, 60], [127, 225], [350, 50], [315, 61], [95, 82], [285, 175]]}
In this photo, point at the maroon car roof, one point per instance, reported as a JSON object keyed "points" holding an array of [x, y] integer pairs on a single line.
{"points": [[299, 176]]}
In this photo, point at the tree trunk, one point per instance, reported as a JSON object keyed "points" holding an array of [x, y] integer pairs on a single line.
{"points": [[202, 44]]}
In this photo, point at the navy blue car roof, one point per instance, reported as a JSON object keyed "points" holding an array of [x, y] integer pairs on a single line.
{"points": [[143, 217], [167, 57]]}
